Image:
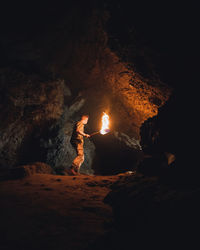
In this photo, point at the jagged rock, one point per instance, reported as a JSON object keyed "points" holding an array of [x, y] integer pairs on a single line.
{"points": [[130, 142]]}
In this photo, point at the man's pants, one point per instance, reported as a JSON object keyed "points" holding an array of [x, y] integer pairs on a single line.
{"points": [[77, 162]]}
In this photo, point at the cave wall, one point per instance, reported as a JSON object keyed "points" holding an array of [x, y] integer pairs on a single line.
{"points": [[37, 121], [92, 67], [26, 104], [52, 76]]}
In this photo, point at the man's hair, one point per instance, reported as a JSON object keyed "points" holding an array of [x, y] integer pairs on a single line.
{"points": [[85, 116]]}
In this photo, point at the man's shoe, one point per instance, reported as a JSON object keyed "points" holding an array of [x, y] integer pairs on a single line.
{"points": [[76, 169], [72, 171]]}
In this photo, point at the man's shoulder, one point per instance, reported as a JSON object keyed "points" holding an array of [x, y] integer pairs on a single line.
{"points": [[79, 123]]}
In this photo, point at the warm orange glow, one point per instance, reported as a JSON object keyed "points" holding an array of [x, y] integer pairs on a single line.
{"points": [[105, 124]]}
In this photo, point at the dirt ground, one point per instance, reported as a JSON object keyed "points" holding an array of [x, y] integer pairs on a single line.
{"points": [[54, 212]]}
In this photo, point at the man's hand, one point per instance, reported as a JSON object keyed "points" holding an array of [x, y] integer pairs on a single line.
{"points": [[86, 135]]}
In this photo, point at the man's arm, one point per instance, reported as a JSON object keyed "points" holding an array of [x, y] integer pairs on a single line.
{"points": [[79, 130]]}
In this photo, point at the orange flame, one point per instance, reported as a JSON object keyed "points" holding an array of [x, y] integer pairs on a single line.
{"points": [[105, 124]]}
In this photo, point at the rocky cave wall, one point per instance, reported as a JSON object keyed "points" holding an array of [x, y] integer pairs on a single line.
{"points": [[93, 68], [49, 79]]}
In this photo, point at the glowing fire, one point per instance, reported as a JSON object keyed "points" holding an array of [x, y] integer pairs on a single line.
{"points": [[105, 124]]}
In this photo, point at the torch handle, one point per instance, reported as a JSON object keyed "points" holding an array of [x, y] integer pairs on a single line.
{"points": [[95, 133]]}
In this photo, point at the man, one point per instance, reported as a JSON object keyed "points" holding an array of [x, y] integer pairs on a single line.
{"points": [[77, 142]]}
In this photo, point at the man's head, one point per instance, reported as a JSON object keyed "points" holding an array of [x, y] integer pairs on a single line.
{"points": [[85, 118]]}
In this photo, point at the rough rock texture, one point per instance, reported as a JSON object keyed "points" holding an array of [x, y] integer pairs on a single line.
{"points": [[37, 123], [27, 104], [132, 95], [90, 65]]}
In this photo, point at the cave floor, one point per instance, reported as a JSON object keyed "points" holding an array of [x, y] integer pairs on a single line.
{"points": [[54, 212]]}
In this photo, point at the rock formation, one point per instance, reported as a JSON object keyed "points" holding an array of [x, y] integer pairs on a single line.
{"points": [[48, 79]]}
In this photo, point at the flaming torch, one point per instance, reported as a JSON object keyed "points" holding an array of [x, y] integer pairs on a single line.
{"points": [[105, 125]]}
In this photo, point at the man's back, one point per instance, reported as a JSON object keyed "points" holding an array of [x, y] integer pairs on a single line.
{"points": [[76, 136]]}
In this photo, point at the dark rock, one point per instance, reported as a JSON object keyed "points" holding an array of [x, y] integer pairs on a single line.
{"points": [[157, 164], [161, 141], [28, 170], [38, 118], [162, 133], [153, 210], [29, 105]]}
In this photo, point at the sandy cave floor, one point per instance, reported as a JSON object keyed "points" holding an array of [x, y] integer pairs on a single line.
{"points": [[54, 212]]}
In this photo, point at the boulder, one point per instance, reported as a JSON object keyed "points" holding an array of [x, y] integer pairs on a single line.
{"points": [[160, 140]]}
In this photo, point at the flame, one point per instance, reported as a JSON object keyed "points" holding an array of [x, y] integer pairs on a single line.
{"points": [[105, 124]]}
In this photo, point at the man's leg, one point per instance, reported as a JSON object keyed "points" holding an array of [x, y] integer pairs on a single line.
{"points": [[77, 162]]}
